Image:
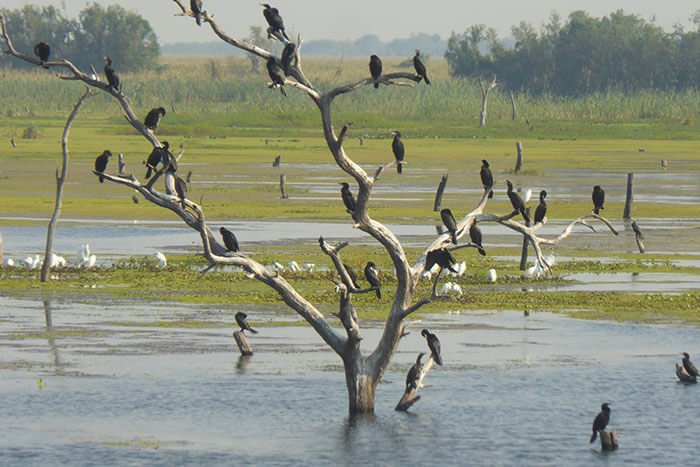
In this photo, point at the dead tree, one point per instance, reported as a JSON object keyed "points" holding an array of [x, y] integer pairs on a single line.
{"points": [[485, 90]]}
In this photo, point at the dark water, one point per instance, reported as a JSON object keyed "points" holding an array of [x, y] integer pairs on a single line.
{"points": [[513, 391]]}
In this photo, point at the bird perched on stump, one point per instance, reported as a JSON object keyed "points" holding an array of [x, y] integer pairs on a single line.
{"points": [[153, 118], [242, 321], [348, 198], [413, 373], [449, 220], [375, 69], [517, 202], [101, 163], [433, 345], [541, 210], [373, 278], [196, 7], [486, 176], [688, 365], [420, 67], [274, 20], [598, 197], [43, 51], [601, 421], [475, 237], [230, 240], [398, 149]]}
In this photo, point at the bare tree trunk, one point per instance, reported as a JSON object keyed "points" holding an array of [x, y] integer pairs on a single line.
{"points": [[526, 243], [518, 157], [484, 99], [630, 197], [514, 112], [361, 384]]}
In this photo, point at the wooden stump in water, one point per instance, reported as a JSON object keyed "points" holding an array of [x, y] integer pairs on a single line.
{"points": [[243, 344], [608, 440], [409, 396], [519, 157]]}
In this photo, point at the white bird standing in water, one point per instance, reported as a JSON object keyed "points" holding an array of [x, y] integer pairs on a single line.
{"points": [[162, 261]]}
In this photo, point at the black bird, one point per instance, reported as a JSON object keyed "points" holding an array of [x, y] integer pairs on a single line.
{"points": [[449, 220], [475, 236], [275, 72], [397, 147], [196, 7], [157, 156], [112, 77], [101, 163], [598, 198], [241, 319], [517, 202], [373, 279], [486, 176], [442, 257], [420, 67], [348, 198], [601, 421], [153, 118], [433, 345], [541, 210], [43, 51], [230, 240], [353, 276], [688, 365], [288, 57], [375, 69], [637, 232], [272, 15], [412, 376], [181, 189]]}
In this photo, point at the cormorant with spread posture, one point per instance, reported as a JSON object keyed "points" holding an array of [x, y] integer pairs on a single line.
{"points": [[242, 321], [158, 156], [541, 210], [272, 15], [397, 147], [196, 7], [598, 197], [420, 67], [181, 189], [101, 163], [275, 72], [433, 345], [230, 240], [288, 57], [375, 69], [517, 202], [688, 365], [348, 198], [486, 176], [412, 376], [442, 257], [373, 278], [475, 236], [449, 220], [43, 51], [601, 421], [112, 77], [153, 118]]}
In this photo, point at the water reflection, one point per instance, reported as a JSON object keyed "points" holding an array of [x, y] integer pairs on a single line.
{"points": [[242, 364], [51, 337]]}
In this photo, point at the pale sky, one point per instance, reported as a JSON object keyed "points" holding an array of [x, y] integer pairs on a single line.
{"points": [[388, 19]]}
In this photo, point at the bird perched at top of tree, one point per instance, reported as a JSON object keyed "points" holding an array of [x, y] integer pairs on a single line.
{"points": [[420, 67], [398, 149], [541, 210], [486, 176], [288, 55], [153, 118], [601, 421], [230, 240], [517, 202], [373, 278], [475, 237], [348, 198], [598, 197], [433, 345], [43, 51], [196, 7], [274, 20], [449, 220], [375, 69], [414, 372], [275, 72], [101, 163], [242, 321], [112, 77]]}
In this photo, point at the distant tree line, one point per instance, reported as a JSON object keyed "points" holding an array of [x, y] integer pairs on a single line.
{"points": [[585, 55], [98, 31]]}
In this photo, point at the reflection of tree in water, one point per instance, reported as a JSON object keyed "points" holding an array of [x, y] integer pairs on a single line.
{"points": [[242, 364], [58, 364]]}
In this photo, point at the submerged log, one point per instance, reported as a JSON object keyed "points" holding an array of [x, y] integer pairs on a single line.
{"points": [[243, 344], [410, 395], [608, 440]]}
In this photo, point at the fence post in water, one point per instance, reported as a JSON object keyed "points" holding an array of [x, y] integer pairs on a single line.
{"points": [[440, 191], [243, 344], [608, 440], [519, 159], [523, 254], [628, 201], [283, 188]]}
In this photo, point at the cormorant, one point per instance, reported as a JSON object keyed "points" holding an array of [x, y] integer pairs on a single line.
{"points": [[517, 202], [242, 321], [157, 156], [353, 276], [412, 376], [598, 198], [637, 232], [601, 421], [420, 67], [397, 147], [101, 163], [196, 7], [288, 56], [375, 69], [541, 210], [348, 198], [275, 72], [372, 277], [433, 345], [475, 236], [230, 240], [449, 220], [688, 365], [486, 176], [43, 51], [181, 189], [272, 15], [112, 77], [153, 118], [442, 257]]}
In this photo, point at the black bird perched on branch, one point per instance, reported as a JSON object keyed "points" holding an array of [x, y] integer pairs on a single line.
{"points": [[43, 51], [112, 77], [272, 15], [414, 372], [688, 365], [373, 278], [420, 67], [275, 72], [601, 421], [486, 176], [475, 236], [517, 202], [397, 147], [153, 118], [375, 69], [288, 55], [449, 220], [101, 163], [637, 232], [181, 189], [442, 257], [230, 240], [433, 345], [158, 156], [348, 198], [196, 7], [541, 210], [598, 197], [242, 321]]}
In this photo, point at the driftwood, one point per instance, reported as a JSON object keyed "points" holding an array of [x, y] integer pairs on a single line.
{"points": [[608, 440], [243, 344]]}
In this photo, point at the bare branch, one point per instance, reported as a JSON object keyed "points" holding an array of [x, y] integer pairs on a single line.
{"points": [[388, 79]]}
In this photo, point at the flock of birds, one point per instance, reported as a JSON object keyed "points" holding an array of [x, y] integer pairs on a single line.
{"points": [[84, 259]]}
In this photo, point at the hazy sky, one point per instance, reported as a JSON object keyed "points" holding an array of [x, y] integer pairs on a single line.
{"points": [[388, 19]]}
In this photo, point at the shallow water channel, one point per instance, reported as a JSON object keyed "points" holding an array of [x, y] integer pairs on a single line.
{"points": [[161, 383]]}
